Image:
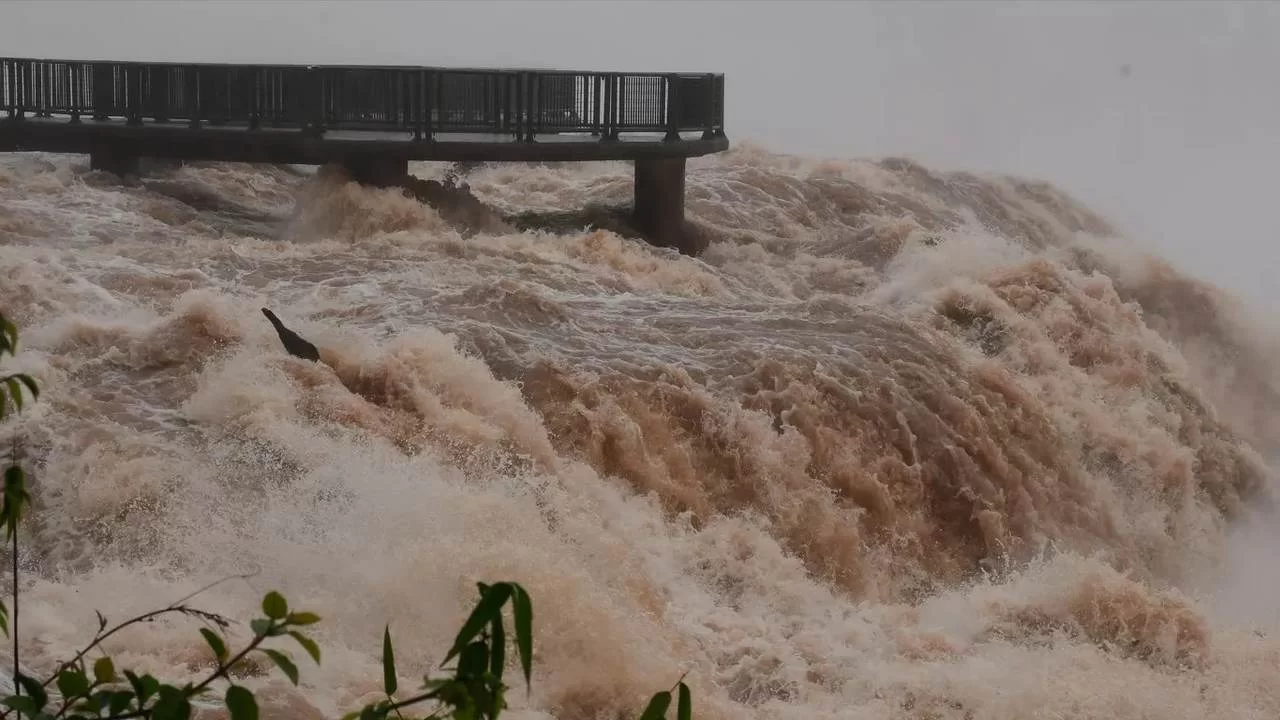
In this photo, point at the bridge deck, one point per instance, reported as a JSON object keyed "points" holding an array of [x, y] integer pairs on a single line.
{"points": [[236, 142]]}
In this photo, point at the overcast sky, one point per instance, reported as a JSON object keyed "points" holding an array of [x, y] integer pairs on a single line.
{"points": [[1165, 116]]}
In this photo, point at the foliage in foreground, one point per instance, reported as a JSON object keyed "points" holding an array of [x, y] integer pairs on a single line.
{"points": [[79, 690]]}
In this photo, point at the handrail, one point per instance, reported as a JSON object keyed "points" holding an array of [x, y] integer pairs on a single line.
{"points": [[424, 101]]}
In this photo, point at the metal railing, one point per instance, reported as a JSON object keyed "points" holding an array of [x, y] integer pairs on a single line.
{"points": [[418, 100]]}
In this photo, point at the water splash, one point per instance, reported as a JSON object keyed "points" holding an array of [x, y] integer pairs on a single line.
{"points": [[901, 444]]}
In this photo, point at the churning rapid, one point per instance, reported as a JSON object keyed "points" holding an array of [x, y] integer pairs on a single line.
{"points": [[900, 444]]}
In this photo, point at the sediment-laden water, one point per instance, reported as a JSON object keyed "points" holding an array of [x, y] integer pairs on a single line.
{"points": [[900, 444]]}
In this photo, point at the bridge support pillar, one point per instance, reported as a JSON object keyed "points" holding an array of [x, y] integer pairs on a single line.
{"points": [[377, 170], [659, 204], [114, 159]]}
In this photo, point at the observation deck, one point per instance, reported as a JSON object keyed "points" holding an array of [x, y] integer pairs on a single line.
{"points": [[371, 120]]}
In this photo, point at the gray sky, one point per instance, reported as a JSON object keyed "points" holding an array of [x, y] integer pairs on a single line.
{"points": [[1180, 149]]}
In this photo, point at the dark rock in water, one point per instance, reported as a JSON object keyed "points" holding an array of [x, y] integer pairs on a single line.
{"points": [[457, 205], [293, 342]]}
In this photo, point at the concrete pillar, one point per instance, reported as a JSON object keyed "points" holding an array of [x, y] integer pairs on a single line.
{"points": [[659, 203], [113, 158], [377, 170]]}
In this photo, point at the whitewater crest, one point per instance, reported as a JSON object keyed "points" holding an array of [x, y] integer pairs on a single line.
{"points": [[900, 444]]}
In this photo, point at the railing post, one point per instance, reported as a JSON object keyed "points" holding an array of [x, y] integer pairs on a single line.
{"points": [[673, 109], [619, 105], [709, 108], [592, 90], [193, 95], [10, 88], [418, 80], [719, 116], [609, 128], [404, 104], [20, 89], [254, 81], [46, 88], [158, 78], [533, 106], [39, 79], [515, 113], [133, 93], [430, 100], [313, 102], [46, 99]]}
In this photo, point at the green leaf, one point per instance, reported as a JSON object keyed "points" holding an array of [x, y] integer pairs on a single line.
{"points": [[216, 644], [241, 703], [15, 392], [34, 689], [23, 704], [136, 682], [284, 663], [498, 655], [388, 663], [302, 618], [31, 385], [172, 705], [262, 627], [684, 707], [151, 687], [433, 686], [488, 607], [4, 618], [474, 660], [274, 606], [307, 644], [104, 671], [95, 702], [658, 704], [119, 701], [522, 608], [16, 498], [9, 334]]}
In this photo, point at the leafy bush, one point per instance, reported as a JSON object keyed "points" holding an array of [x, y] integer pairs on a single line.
{"points": [[475, 690]]}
